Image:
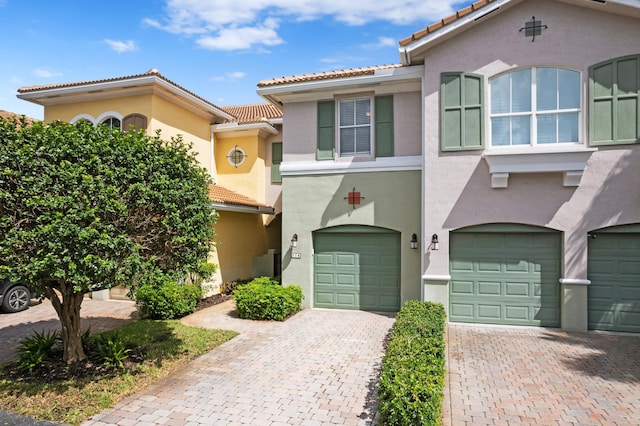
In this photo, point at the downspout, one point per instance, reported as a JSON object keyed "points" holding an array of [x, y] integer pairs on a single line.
{"points": [[212, 152], [423, 244]]}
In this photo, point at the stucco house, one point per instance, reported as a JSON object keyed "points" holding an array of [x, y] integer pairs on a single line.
{"points": [[507, 141], [240, 146]]}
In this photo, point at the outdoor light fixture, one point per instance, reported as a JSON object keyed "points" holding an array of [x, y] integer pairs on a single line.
{"points": [[414, 241], [434, 242], [294, 241]]}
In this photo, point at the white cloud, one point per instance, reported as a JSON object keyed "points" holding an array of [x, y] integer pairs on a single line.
{"points": [[45, 73], [235, 75], [233, 38], [121, 46], [237, 25], [382, 42]]}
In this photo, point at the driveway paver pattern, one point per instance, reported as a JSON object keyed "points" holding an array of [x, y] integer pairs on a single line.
{"points": [[514, 375], [320, 367]]}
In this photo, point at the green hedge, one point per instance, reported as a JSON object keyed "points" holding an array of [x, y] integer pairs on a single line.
{"points": [[168, 300], [411, 384], [265, 299]]}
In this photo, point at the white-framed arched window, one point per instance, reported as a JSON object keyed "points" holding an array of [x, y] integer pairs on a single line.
{"points": [[536, 106], [111, 119], [86, 117]]}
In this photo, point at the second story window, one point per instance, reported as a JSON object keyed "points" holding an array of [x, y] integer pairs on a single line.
{"points": [[112, 122], [355, 127], [535, 106]]}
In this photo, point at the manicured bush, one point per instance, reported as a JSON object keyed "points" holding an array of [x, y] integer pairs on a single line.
{"points": [[411, 384], [168, 300], [265, 299]]}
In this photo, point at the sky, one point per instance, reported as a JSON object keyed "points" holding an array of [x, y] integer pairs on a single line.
{"points": [[218, 49]]}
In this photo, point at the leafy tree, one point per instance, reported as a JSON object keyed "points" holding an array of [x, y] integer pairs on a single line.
{"points": [[85, 208]]}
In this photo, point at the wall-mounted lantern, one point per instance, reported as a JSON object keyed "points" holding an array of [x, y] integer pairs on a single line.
{"points": [[414, 241], [434, 242], [294, 241]]}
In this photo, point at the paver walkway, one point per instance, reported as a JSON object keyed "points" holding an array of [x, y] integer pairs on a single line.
{"points": [[319, 367], [513, 375]]}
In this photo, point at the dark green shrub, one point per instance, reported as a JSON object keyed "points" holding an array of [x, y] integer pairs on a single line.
{"points": [[167, 301], [265, 299], [33, 350], [111, 350], [411, 384]]}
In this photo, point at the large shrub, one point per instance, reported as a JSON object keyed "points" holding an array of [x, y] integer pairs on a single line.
{"points": [[412, 376], [265, 299], [167, 301]]}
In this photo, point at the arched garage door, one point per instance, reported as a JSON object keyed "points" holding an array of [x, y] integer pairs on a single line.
{"points": [[505, 274], [357, 267], [614, 271]]}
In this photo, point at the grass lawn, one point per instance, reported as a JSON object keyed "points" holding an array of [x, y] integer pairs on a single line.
{"points": [[60, 394]]}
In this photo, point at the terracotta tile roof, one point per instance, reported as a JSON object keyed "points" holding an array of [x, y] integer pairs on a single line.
{"points": [[151, 72], [352, 72], [9, 115], [219, 194], [254, 113], [445, 21]]}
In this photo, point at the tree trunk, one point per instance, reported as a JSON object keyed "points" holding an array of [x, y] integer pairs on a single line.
{"points": [[67, 305]]}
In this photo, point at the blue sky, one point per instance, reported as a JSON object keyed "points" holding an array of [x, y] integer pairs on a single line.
{"points": [[218, 49]]}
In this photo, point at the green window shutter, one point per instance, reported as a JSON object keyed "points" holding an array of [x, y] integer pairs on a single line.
{"points": [[384, 126], [326, 130], [461, 112], [614, 101], [276, 159]]}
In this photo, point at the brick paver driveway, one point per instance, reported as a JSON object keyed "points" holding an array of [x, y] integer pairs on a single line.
{"points": [[319, 367], [512, 375]]}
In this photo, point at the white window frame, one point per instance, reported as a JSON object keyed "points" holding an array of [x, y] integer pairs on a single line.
{"points": [[534, 113], [370, 125]]}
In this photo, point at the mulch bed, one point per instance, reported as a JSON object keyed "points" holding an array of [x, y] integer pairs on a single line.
{"points": [[212, 300]]}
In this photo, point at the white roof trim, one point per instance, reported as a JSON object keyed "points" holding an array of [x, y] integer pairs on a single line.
{"points": [[385, 75], [234, 127], [382, 164], [55, 92], [243, 209]]}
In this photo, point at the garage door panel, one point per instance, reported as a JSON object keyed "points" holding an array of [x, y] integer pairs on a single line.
{"points": [[324, 279], [491, 288], [489, 313], [506, 278], [324, 259], [366, 269], [461, 287], [517, 289]]}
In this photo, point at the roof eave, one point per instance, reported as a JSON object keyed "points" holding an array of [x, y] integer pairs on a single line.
{"points": [[273, 93], [38, 96], [243, 208], [407, 52]]}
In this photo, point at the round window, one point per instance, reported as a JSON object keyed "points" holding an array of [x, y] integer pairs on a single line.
{"points": [[236, 156]]}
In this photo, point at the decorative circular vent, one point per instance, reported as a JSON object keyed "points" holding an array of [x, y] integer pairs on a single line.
{"points": [[236, 156]]}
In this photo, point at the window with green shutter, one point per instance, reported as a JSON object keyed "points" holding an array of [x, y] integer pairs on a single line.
{"points": [[326, 130], [462, 111], [614, 101], [355, 127], [276, 159], [384, 126]]}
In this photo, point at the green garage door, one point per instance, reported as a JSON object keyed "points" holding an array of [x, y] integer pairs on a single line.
{"points": [[505, 278], [357, 270], [614, 271]]}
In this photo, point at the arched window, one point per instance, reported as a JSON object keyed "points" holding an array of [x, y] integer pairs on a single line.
{"points": [[135, 122], [535, 106], [112, 122]]}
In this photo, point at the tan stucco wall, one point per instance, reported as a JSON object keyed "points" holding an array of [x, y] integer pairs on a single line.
{"points": [[249, 177], [458, 188], [162, 115], [310, 203], [239, 238]]}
